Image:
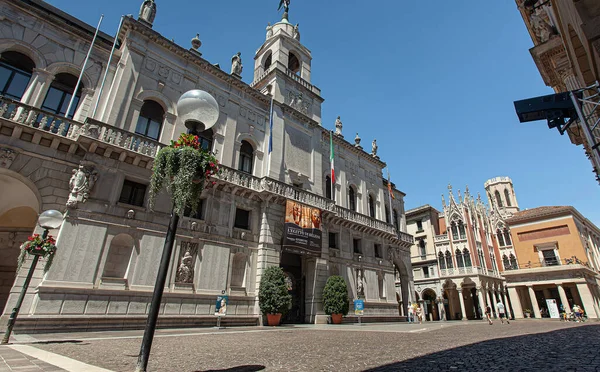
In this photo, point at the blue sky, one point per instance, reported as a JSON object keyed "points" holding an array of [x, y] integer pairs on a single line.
{"points": [[433, 82]]}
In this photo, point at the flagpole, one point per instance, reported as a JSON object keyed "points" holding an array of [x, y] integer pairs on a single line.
{"points": [[390, 198], [112, 52], [83, 68]]}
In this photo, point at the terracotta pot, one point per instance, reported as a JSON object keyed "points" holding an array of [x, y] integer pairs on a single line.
{"points": [[336, 318], [273, 319]]}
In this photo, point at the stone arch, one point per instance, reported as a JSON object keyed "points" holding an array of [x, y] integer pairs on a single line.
{"points": [[119, 258], [25, 48], [153, 95], [267, 60], [248, 137], [294, 62], [69, 68], [405, 288]]}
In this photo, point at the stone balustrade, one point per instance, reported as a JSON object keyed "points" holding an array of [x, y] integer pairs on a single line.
{"points": [[61, 126], [441, 238]]}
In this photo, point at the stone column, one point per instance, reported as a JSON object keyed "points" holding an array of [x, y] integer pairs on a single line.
{"points": [[563, 298], [516, 302], [587, 299], [534, 303], [38, 87], [495, 302], [441, 311], [462, 304], [480, 296], [506, 307]]}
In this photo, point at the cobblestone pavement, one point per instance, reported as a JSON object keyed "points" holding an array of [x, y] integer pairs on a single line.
{"points": [[453, 346]]}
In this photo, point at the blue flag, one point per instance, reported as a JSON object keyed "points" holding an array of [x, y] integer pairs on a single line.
{"points": [[271, 128]]}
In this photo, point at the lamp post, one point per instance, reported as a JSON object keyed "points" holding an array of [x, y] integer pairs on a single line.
{"points": [[199, 111], [50, 219]]}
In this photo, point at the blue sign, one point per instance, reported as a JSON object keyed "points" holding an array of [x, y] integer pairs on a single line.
{"points": [[359, 307], [221, 305]]}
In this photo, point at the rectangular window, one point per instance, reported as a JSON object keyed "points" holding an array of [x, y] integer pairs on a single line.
{"points": [[419, 225], [356, 245], [133, 193], [425, 272], [333, 240], [377, 248], [549, 257], [242, 219], [198, 213]]}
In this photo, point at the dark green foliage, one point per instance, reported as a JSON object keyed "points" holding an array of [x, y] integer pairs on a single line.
{"points": [[335, 296], [273, 296]]}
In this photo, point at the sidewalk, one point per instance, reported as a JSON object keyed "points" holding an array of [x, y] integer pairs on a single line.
{"points": [[25, 358]]}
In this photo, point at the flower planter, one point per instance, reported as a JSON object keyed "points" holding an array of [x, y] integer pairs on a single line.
{"points": [[273, 319], [527, 315], [336, 318]]}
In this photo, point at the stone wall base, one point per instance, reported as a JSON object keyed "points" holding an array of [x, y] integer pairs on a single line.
{"points": [[373, 319], [55, 324]]}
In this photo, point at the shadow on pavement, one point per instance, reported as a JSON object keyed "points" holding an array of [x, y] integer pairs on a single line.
{"points": [[59, 342], [572, 349], [249, 368]]}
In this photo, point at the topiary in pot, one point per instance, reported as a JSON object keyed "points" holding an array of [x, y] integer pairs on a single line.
{"points": [[335, 298], [273, 296]]}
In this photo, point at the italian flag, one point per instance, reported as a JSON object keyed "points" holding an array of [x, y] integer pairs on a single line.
{"points": [[331, 157]]}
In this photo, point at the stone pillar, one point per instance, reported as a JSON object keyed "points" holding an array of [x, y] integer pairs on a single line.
{"points": [[442, 311], [534, 303], [495, 302], [506, 307], [516, 302], [587, 299], [38, 87], [480, 296], [563, 298], [462, 304]]}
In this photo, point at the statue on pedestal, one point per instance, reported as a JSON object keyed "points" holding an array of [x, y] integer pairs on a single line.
{"points": [[185, 272], [147, 11], [236, 64], [338, 127], [285, 4], [269, 30], [297, 32], [374, 147], [357, 141], [360, 285]]}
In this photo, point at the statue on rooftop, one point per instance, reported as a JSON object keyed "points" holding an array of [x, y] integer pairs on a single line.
{"points": [[285, 4], [269, 30], [147, 11], [374, 147], [236, 64], [297, 32], [338, 127]]}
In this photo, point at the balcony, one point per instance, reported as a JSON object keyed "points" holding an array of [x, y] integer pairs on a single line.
{"points": [[471, 270], [441, 238], [551, 262]]}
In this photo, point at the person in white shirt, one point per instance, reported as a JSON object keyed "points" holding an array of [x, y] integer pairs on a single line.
{"points": [[411, 312], [502, 312]]}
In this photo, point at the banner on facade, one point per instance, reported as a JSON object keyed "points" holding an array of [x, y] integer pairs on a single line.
{"points": [[302, 232], [359, 307]]}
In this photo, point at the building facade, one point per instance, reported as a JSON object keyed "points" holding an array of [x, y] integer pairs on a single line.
{"points": [[566, 51], [94, 162], [558, 252]]}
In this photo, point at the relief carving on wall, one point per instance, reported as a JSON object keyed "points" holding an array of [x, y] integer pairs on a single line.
{"points": [[7, 156], [297, 151], [81, 184], [187, 259], [299, 102]]}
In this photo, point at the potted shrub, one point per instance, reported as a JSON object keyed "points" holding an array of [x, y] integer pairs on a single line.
{"points": [[527, 313], [273, 297], [335, 298]]}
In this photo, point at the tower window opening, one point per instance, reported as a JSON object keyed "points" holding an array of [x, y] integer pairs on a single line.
{"points": [[294, 64]]}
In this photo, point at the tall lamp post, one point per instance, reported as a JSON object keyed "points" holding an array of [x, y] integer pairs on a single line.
{"points": [[50, 219], [199, 111]]}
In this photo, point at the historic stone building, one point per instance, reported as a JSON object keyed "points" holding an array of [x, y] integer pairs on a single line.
{"points": [[459, 254], [566, 51], [94, 163], [558, 251]]}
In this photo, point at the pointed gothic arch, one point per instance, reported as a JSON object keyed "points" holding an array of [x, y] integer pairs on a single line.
{"points": [[507, 197]]}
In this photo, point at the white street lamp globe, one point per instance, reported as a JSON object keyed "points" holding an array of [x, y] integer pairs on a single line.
{"points": [[50, 219], [198, 110]]}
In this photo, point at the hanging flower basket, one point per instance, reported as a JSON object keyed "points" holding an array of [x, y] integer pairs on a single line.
{"points": [[37, 247], [185, 167]]}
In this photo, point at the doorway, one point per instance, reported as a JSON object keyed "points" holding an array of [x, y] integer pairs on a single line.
{"points": [[292, 266]]}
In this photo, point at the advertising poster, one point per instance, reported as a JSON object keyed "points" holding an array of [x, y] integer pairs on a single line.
{"points": [[221, 305], [302, 231], [552, 308], [359, 307]]}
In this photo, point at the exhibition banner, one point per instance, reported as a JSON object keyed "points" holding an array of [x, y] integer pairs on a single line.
{"points": [[302, 230]]}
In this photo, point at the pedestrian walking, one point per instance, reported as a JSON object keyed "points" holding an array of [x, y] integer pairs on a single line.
{"points": [[488, 314], [502, 312], [420, 314], [411, 313]]}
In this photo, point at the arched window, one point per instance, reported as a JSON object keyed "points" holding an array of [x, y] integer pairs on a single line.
{"points": [[459, 258], [238, 271], [396, 222], [351, 199], [498, 199], [461, 230], [454, 230], [246, 157], [513, 262], [15, 73], [328, 188], [60, 93], [507, 239], [267, 61], [500, 238], [387, 214], [507, 197], [119, 256], [506, 263], [442, 261], [371, 206], [449, 263], [293, 63], [467, 258], [150, 120]]}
